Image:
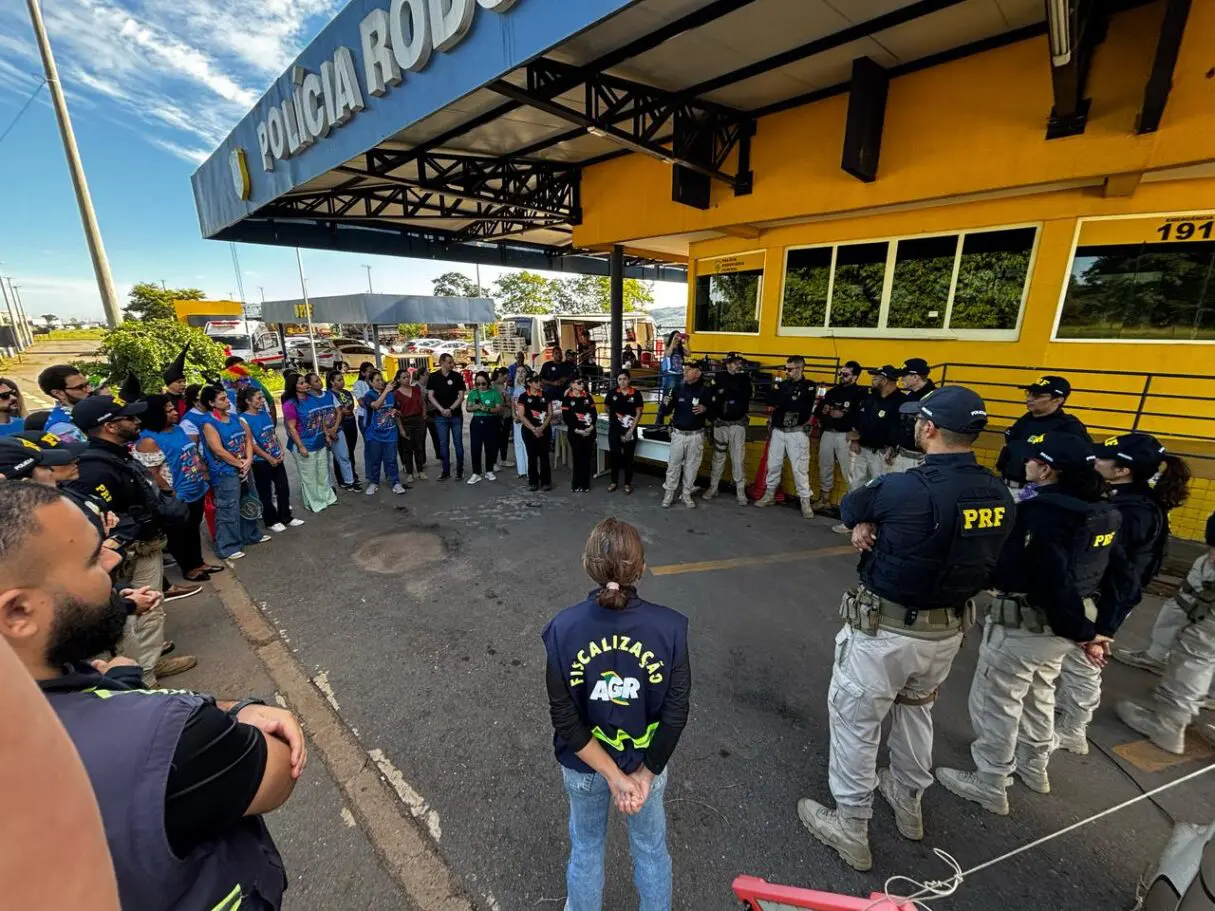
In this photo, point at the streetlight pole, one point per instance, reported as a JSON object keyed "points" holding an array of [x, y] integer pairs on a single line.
{"points": [[92, 233], [316, 364], [18, 344], [22, 315], [368, 268]]}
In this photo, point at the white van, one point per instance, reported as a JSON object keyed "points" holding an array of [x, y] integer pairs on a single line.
{"points": [[251, 339]]}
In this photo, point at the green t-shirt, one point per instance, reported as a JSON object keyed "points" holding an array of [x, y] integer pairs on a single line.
{"points": [[491, 398]]}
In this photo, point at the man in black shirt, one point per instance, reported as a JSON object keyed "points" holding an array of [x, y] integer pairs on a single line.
{"points": [[688, 406], [916, 385], [445, 390], [1044, 400], [792, 401], [874, 438], [837, 416], [555, 375], [230, 762], [731, 404]]}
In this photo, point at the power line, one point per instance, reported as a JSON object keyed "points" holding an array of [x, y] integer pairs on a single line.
{"points": [[24, 108]]}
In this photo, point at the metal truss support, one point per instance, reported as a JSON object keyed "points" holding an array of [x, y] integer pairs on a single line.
{"points": [[1160, 83], [639, 117], [1075, 28]]}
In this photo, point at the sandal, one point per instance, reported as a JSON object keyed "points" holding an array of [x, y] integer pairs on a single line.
{"points": [[199, 575], [611, 487], [628, 488]]}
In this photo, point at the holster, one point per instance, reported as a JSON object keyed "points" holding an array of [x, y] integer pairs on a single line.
{"points": [[862, 610], [1014, 612]]}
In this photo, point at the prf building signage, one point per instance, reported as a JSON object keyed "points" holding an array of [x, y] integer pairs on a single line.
{"points": [[394, 42]]}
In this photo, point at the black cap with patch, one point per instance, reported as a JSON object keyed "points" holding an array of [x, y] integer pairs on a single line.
{"points": [[1056, 387], [18, 458], [1137, 450], [915, 366], [889, 371], [1062, 451], [98, 409], [733, 356], [953, 408], [60, 452]]}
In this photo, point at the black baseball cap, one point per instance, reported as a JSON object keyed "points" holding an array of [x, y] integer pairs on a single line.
{"points": [[97, 409], [699, 363], [1054, 386], [1211, 530], [1136, 450], [18, 458], [1062, 451], [914, 366], [953, 408], [733, 356], [889, 371], [54, 447]]}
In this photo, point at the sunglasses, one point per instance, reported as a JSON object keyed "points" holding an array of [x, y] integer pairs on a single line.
{"points": [[5, 396], [482, 385], [78, 388]]}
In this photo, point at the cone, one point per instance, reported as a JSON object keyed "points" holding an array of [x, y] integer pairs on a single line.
{"points": [[130, 390], [757, 488], [758, 895], [177, 367]]}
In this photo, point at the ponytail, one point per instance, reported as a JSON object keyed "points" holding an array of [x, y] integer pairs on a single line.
{"points": [[615, 558], [1172, 487], [615, 597]]}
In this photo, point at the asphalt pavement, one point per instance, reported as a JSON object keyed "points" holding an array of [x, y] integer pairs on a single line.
{"points": [[422, 615]]}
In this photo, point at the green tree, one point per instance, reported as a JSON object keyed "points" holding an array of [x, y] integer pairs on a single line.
{"points": [[457, 284], [593, 294], [148, 300], [524, 292], [146, 348], [50, 319]]}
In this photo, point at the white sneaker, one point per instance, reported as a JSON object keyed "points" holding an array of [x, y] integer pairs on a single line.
{"points": [[371, 489], [409, 478], [841, 529], [421, 476], [263, 539], [296, 523], [490, 476], [237, 555], [397, 488], [475, 479], [278, 526]]}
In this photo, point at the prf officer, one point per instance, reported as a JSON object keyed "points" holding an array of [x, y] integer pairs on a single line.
{"points": [[930, 538]]}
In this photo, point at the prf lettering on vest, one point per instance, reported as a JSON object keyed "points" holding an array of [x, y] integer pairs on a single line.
{"points": [[1104, 540], [618, 643], [983, 517]]}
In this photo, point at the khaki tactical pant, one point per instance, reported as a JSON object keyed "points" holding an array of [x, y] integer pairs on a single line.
{"points": [[1012, 698], [1078, 692], [143, 637], [686, 452], [870, 674], [729, 439], [1190, 672], [796, 445], [832, 448], [867, 465], [905, 463]]}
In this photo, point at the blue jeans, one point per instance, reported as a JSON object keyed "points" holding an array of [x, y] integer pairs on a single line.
{"points": [[376, 454], [342, 454], [590, 799], [232, 530], [453, 426]]}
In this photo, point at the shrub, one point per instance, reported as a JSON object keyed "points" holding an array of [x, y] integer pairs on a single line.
{"points": [[147, 347]]}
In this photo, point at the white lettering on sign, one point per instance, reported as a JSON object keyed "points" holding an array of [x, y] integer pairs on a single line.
{"points": [[393, 41]]}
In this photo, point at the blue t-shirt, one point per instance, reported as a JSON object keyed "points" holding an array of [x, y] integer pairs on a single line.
{"points": [[264, 436], [232, 435], [184, 461], [315, 413], [380, 425], [59, 422], [232, 385], [15, 425]]}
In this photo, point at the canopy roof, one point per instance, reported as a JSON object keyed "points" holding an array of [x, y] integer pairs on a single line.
{"points": [[381, 309], [475, 155]]}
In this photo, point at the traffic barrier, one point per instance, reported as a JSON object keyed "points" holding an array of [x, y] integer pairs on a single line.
{"points": [[761, 895]]}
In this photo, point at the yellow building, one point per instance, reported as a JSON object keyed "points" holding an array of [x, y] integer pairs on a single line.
{"points": [[981, 244]]}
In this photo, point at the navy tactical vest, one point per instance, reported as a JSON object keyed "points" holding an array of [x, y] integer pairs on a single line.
{"points": [[1147, 556], [126, 739], [972, 517], [617, 667], [1095, 527]]}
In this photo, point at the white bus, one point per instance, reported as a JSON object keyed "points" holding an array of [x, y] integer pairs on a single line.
{"points": [[535, 335]]}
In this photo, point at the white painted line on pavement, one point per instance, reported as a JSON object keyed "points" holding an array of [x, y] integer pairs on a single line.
{"points": [[411, 798], [348, 818], [321, 682]]}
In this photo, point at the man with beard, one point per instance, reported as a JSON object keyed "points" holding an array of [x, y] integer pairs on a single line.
{"points": [[731, 404], [929, 540], [108, 472], [837, 417], [182, 780], [68, 387]]}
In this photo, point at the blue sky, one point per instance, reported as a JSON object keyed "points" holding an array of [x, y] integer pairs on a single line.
{"points": [[153, 86]]}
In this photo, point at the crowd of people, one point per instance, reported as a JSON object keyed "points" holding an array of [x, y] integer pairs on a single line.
{"points": [[1060, 546]]}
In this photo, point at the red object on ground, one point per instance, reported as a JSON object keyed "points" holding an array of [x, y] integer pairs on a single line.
{"points": [[757, 488], [209, 512], [758, 893]]}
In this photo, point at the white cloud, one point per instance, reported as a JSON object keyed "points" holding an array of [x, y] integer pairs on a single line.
{"points": [[193, 155], [189, 69]]}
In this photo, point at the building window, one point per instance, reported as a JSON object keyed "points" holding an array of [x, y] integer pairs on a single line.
{"points": [[991, 279], [728, 300], [1141, 291], [860, 274], [807, 284], [923, 272], [958, 282]]}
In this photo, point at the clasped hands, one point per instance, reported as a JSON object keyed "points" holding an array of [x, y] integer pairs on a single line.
{"points": [[630, 792]]}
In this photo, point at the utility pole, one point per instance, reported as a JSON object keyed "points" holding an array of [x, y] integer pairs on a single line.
{"points": [[163, 286], [18, 344], [263, 291], [25, 320], [316, 364], [368, 268], [92, 233]]}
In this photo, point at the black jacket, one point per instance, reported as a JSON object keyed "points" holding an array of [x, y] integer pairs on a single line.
{"points": [[731, 396], [109, 473], [877, 420], [1011, 461], [845, 398], [1139, 551]]}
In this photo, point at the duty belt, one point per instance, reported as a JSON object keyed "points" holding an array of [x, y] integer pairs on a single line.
{"points": [[740, 422], [689, 433], [868, 612], [1013, 610]]}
